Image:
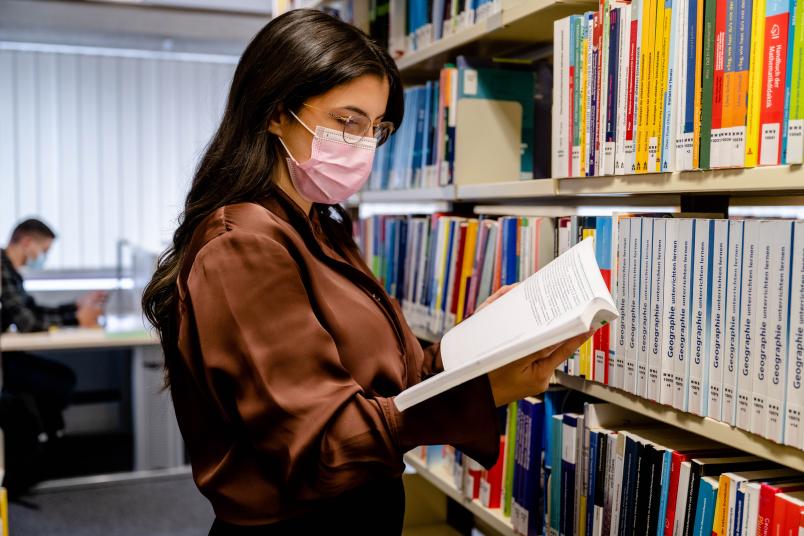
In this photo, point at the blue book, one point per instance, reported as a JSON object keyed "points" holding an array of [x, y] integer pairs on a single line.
{"points": [[532, 465], [510, 252], [705, 509], [556, 474], [453, 228], [591, 473], [739, 503], [425, 140], [517, 489], [667, 460]]}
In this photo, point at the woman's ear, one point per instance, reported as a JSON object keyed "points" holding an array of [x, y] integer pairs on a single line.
{"points": [[278, 122]]}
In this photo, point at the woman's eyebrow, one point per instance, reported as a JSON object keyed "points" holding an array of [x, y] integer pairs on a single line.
{"points": [[361, 112]]}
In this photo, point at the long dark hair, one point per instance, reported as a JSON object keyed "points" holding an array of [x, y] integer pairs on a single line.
{"points": [[298, 55]]}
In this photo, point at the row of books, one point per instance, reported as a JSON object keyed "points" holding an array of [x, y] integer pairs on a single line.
{"points": [[408, 25], [672, 85], [711, 310], [569, 467], [437, 143]]}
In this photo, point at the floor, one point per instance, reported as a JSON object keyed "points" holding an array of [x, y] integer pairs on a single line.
{"points": [[166, 507]]}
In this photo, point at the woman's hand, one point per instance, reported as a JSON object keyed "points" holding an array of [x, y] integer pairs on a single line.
{"points": [[531, 374]]}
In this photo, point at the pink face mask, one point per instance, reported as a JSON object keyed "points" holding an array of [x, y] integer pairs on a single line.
{"points": [[335, 170]]}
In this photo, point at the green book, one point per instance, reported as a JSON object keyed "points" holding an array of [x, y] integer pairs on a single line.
{"points": [[710, 12], [510, 451]]}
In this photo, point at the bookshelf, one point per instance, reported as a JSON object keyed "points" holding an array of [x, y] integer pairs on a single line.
{"points": [[440, 193], [517, 22], [439, 478]]}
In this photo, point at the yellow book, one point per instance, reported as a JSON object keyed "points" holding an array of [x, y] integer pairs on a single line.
{"points": [[468, 266], [582, 514], [645, 84], [4, 511], [582, 115], [721, 523], [696, 129], [586, 359], [661, 47], [757, 61]]}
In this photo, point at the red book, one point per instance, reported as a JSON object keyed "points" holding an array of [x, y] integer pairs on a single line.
{"points": [[771, 114], [456, 283], [767, 505], [629, 115], [672, 492], [720, 58], [491, 484], [793, 511]]}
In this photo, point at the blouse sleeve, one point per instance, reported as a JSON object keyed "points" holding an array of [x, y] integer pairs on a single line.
{"points": [[275, 368]]}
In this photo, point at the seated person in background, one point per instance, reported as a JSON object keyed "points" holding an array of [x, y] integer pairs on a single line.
{"points": [[49, 383]]}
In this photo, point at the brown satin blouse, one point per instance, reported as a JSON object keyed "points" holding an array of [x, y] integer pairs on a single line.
{"points": [[291, 354]]}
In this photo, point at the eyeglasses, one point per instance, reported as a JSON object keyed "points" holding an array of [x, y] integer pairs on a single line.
{"points": [[356, 126]]}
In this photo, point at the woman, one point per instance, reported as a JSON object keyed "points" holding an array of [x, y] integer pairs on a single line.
{"points": [[283, 353]]}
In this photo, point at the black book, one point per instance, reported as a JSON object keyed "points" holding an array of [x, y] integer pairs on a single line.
{"points": [[632, 469], [654, 492]]}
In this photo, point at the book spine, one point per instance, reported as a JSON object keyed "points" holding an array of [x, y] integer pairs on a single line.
{"points": [[634, 262], [510, 457], [620, 480], [611, 47], [794, 412], [664, 491], [794, 153], [791, 31], [708, 82], [701, 305], [750, 289], [623, 324], [658, 261], [561, 86], [578, 81], [717, 317], [755, 83], [556, 477], [633, 89], [586, 93], [672, 492], [568, 459], [767, 495], [621, 104], [774, 330], [603, 252], [671, 304], [697, 84], [734, 294], [644, 306], [685, 290], [771, 115], [722, 21], [664, 14], [647, 83], [672, 94]]}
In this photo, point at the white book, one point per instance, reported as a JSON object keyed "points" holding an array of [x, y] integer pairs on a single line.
{"points": [[751, 491], [623, 227], [674, 90], [733, 296], [622, 88], [680, 139], [681, 498], [657, 319], [634, 261], [794, 404], [670, 305], [773, 329], [699, 317], [717, 317], [750, 298], [645, 292], [605, 161], [616, 499], [681, 369], [566, 298]]}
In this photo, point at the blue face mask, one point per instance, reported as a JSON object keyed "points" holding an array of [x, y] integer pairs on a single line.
{"points": [[38, 263]]}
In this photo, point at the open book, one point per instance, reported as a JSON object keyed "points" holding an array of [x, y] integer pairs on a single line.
{"points": [[564, 299]]}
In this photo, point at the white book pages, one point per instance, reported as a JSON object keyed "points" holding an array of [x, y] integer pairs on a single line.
{"points": [[564, 299]]}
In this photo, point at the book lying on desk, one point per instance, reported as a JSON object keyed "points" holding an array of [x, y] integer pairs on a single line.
{"points": [[562, 300]]}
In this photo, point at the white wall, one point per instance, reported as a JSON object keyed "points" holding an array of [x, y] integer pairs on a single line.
{"points": [[102, 143]]}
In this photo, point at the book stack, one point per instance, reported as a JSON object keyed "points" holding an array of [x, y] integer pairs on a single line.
{"points": [[672, 85], [604, 470], [711, 311], [437, 142]]}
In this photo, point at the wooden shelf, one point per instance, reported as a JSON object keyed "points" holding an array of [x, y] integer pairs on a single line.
{"points": [[533, 189], [703, 426], [439, 477], [517, 23], [440, 193]]}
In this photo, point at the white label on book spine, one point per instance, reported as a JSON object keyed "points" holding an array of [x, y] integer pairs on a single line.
{"points": [[657, 318], [653, 151], [470, 82], [670, 314], [795, 142], [717, 316], [645, 292], [630, 156], [684, 152], [748, 317], [794, 411], [777, 364], [686, 233], [608, 156], [576, 161], [700, 318], [769, 145], [733, 321], [634, 258], [623, 232]]}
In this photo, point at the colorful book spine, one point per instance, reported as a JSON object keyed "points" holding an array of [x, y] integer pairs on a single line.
{"points": [[622, 103], [794, 411], [611, 43], [646, 85], [633, 86], [708, 103], [755, 83], [664, 14], [673, 92], [794, 151], [771, 117], [562, 91]]}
